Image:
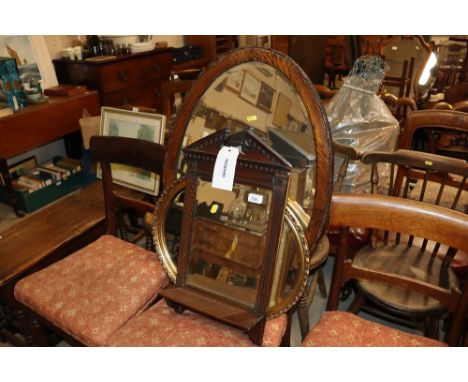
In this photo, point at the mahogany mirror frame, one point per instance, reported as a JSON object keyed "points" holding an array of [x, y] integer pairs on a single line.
{"points": [[313, 106]]}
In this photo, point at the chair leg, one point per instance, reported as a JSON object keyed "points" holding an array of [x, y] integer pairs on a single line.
{"points": [[321, 283], [303, 306], [356, 305], [286, 341], [431, 328]]}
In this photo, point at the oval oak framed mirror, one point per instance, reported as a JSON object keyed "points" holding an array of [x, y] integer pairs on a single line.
{"points": [[266, 90], [259, 79]]}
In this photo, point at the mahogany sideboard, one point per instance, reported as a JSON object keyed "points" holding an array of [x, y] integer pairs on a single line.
{"points": [[133, 79], [39, 124]]}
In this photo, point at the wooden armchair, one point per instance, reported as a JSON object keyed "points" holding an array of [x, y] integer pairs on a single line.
{"points": [[441, 132], [409, 256], [94, 291], [337, 328]]}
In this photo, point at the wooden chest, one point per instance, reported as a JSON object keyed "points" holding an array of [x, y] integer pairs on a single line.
{"points": [[134, 79]]}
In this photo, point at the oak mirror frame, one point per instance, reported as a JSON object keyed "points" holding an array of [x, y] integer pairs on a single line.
{"points": [[310, 103]]}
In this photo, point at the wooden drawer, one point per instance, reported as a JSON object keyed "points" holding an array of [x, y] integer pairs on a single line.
{"points": [[123, 74], [146, 94]]}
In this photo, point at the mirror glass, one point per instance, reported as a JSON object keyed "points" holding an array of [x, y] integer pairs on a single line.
{"points": [[258, 95], [400, 49], [227, 244]]}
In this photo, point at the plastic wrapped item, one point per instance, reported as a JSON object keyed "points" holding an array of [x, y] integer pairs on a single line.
{"points": [[360, 119]]}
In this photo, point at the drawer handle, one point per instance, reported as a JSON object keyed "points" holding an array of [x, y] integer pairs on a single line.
{"points": [[123, 75], [157, 92], [156, 67]]}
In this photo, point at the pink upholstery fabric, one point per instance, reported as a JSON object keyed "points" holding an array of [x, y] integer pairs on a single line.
{"points": [[347, 329], [162, 326], [96, 290]]}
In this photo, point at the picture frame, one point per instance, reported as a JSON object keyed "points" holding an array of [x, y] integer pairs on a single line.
{"points": [[34, 57], [133, 124], [23, 165], [250, 89], [234, 80], [282, 109], [266, 97]]}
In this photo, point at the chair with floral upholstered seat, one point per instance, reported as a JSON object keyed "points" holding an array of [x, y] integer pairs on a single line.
{"points": [[378, 212], [97, 296], [94, 291], [160, 325]]}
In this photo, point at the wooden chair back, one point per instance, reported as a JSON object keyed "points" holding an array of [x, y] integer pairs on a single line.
{"points": [[138, 153], [444, 132], [169, 91], [413, 218], [443, 172]]}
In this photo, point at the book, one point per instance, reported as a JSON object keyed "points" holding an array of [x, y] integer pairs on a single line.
{"points": [[56, 175], [46, 177], [20, 168], [64, 90], [30, 182], [63, 171], [70, 164], [19, 187]]}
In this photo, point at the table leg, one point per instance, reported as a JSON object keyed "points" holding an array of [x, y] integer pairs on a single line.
{"points": [[10, 194]]}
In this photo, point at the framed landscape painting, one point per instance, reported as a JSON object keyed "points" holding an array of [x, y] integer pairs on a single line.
{"points": [[131, 124]]}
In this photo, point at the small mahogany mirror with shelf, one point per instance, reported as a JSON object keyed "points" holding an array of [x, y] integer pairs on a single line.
{"points": [[227, 260]]}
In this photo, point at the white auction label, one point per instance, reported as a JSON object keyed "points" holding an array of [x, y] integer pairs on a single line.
{"points": [[225, 168], [255, 198]]}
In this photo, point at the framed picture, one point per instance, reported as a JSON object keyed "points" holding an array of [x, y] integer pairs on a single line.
{"points": [[20, 167], [282, 108], [266, 96], [250, 88], [32, 58], [131, 124], [234, 80]]}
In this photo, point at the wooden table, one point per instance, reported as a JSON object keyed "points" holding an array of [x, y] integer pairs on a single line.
{"points": [[37, 125], [39, 240]]}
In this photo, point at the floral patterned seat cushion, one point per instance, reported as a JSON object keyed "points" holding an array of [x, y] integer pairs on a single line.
{"points": [[162, 326], [94, 291], [346, 329]]}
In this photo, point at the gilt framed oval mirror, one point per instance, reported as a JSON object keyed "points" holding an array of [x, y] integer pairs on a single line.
{"points": [[265, 90]]}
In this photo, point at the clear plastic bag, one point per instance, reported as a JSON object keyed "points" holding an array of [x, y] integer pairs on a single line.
{"points": [[360, 119]]}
